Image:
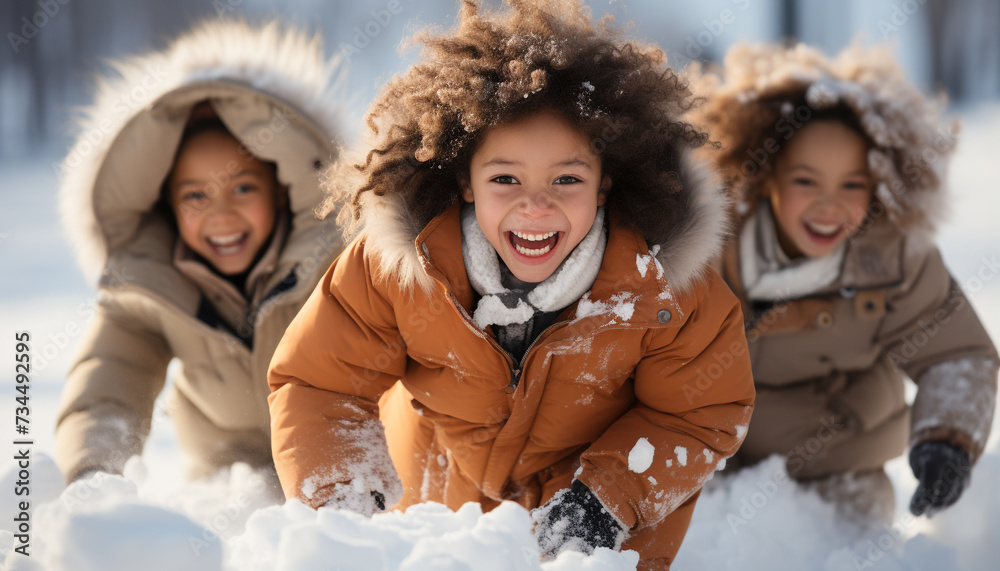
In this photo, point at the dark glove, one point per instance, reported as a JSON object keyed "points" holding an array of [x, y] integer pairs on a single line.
{"points": [[576, 520], [345, 498], [379, 498], [943, 471]]}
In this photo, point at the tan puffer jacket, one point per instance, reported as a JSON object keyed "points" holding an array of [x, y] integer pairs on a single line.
{"points": [[640, 389]]}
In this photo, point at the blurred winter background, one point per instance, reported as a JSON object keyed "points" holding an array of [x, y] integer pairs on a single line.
{"points": [[150, 519]]}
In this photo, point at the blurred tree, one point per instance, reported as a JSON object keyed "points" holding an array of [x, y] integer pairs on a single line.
{"points": [[789, 16]]}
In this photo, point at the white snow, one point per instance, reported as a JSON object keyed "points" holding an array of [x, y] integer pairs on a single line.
{"points": [[622, 305], [640, 458], [682, 455], [624, 308], [741, 430], [642, 264]]}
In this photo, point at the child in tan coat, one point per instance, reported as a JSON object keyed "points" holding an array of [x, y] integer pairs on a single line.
{"points": [[837, 172], [533, 268], [193, 213]]}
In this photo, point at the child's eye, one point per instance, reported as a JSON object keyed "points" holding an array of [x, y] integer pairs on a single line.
{"points": [[802, 181], [856, 185], [244, 188], [195, 196], [567, 179], [504, 179]]}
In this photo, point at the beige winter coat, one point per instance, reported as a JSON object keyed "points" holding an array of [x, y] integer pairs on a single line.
{"points": [[272, 89], [829, 366]]}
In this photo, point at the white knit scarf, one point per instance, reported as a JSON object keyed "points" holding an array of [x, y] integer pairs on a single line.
{"points": [[568, 283], [767, 272]]}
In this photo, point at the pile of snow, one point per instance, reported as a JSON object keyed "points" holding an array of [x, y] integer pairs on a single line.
{"points": [[755, 519], [109, 523]]}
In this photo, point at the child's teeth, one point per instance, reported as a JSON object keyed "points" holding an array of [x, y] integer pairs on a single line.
{"points": [[225, 240], [533, 253], [534, 237], [825, 229]]}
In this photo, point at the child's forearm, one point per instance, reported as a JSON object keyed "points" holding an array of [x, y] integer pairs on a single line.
{"points": [[324, 443], [696, 397]]}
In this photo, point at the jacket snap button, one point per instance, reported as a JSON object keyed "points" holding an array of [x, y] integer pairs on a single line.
{"points": [[663, 316], [824, 319]]}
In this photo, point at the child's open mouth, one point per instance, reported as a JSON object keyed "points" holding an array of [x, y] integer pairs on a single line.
{"points": [[533, 245], [229, 244], [823, 233]]}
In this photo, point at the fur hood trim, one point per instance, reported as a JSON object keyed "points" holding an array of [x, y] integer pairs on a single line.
{"points": [[685, 254], [912, 142], [267, 75]]}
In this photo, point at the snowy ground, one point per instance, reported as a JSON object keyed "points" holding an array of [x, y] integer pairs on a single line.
{"points": [[150, 520]]}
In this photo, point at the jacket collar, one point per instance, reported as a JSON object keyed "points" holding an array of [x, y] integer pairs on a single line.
{"points": [[631, 287], [873, 259]]}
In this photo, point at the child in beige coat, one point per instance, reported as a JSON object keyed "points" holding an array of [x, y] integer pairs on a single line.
{"points": [[837, 171], [194, 215]]}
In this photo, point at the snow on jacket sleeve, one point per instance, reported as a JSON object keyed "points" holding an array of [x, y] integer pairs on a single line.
{"points": [[337, 357], [107, 404], [933, 334], [695, 395]]}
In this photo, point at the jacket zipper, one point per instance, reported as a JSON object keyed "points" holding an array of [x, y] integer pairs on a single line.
{"points": [[515, 369]]}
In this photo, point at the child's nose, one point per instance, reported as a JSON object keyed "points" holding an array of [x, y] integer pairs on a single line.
{"points": [[222, 209], [537, 203]]}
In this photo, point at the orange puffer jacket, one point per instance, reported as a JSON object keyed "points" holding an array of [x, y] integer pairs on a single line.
{"points": [[640, 389]]}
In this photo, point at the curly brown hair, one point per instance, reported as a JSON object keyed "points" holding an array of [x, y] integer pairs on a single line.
{"points": [[496, 67], [762, 94], [753, 136]]}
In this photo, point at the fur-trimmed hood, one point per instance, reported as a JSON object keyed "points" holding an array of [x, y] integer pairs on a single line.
{"points": [[271, 85], [755, 91], [686, 253]]}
